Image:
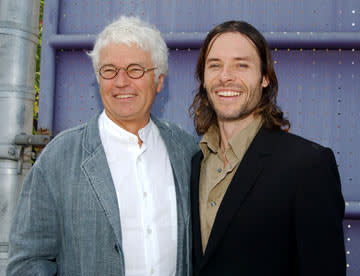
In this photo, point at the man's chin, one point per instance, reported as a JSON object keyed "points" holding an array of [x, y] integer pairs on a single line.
{"points": [[227, 117]]}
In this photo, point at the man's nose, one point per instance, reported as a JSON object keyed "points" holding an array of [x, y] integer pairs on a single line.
{"points": [[227, 74], [122, 78]]}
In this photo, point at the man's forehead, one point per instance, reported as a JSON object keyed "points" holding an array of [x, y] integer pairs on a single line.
{"points": [[120, 51], [241, 45]]}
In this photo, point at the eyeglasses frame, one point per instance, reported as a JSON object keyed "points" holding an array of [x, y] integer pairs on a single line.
{"points": [[117, 69]]}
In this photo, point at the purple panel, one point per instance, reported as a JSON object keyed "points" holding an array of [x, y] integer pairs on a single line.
{"points": [[352, 244], [319, 94], [76, 97], [174, 101], [268, 15]]}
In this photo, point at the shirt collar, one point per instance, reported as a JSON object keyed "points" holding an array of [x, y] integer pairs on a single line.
{"points": [[238, 143], [210, 141], [242, 140], [123, 135]]}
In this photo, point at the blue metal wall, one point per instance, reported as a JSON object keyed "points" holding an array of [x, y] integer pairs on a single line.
{"points": [[315, 46]]}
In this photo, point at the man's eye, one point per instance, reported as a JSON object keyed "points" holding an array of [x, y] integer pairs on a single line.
{"points": [[242, 65], [214, 65], [136, 70]]}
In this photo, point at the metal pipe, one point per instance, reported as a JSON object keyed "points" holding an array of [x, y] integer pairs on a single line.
{"points": [[18, 41], [47, 78], [194, 40]]}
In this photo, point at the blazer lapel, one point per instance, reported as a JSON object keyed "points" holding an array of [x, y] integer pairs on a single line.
{"points": [[97, 171], [195, 177], [99, 177], [177, 160], [244, 179]]}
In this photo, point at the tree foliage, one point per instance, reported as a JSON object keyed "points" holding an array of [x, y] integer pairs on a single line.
{"points": [[37, 73]]}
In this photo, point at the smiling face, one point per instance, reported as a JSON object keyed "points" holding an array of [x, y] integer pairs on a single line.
{"points": [[128, 101], [232, 77]]}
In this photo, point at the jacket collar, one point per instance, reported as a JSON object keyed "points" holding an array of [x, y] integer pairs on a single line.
{"points": [[98, 174], [248, 172], [178, 163]]}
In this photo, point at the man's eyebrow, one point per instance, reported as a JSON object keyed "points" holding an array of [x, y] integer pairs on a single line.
{"points": [[212, 60], [108, 64], [244, 58], [133, 63]]}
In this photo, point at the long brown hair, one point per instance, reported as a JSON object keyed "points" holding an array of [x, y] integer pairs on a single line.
{"points": [[201, 110]]}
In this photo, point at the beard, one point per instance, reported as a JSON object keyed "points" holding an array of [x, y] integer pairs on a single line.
{"points": [[241, 113]]}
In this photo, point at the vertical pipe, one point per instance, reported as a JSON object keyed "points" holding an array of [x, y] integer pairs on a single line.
{"points": [[47, 77], [18, 41]]}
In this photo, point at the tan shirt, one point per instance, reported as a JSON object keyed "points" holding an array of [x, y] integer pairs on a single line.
{"points": [[214, 177]]}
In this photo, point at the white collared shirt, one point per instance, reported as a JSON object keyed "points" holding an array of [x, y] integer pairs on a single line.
{"points": [[145, 189]]}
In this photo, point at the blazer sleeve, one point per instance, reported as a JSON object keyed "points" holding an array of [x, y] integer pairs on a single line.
{"points": [[34, 235], [319, 211]]}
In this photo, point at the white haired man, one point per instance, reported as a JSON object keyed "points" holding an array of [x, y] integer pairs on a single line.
{"points": [[111, 197]]}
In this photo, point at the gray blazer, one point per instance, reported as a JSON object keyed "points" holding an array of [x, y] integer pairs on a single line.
{"points": [[67, 220]]}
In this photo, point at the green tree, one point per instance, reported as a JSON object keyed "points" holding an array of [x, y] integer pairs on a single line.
{"points": [[37, 73]]}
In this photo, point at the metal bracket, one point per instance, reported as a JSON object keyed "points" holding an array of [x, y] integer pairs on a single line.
{"points": [[25, 140], [15, 151], [32, 140], [10, 152]]}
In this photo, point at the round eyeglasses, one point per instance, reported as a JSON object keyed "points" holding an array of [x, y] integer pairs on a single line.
{"points": [[134, 71]]}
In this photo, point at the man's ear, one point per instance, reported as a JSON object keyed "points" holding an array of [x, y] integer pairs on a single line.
{"points": [[160, 83], [265, 81]]}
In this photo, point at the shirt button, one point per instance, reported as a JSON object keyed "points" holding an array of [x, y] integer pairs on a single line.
{"points": [[213, 203], [145, 194], [152, 271], [149, 231], [219, 170]]}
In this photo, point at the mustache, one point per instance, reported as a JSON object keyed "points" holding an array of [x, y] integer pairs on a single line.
{"points": [[231, 87]]}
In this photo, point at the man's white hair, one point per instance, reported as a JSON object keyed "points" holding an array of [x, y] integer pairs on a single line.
{"points": [[132, 30]]}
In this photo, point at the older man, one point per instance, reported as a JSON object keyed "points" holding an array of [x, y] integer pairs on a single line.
{"points": [[111, 197], [265, 202]]}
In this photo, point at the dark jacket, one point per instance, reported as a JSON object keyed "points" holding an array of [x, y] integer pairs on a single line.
{"points": [[281, 215]]}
